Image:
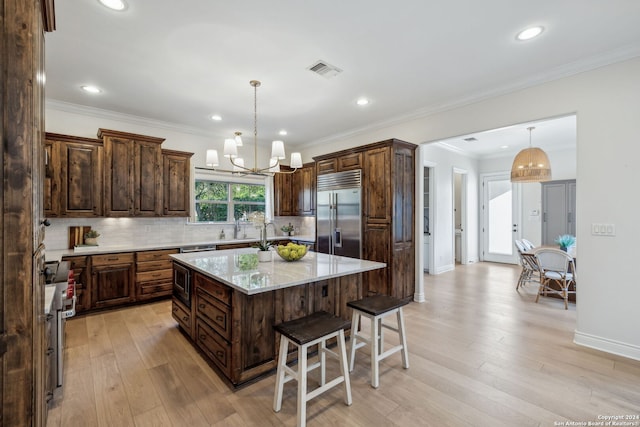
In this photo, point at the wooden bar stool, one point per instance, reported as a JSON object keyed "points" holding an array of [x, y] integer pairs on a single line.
{"points": [[305, 332], [376, 308]]}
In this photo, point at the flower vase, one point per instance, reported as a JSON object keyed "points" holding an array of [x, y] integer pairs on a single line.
{"points": [[91, 241], [264, 256]]}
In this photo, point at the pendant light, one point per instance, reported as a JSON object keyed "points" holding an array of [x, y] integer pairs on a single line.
{"points": [[531, 164], [230, 151]]}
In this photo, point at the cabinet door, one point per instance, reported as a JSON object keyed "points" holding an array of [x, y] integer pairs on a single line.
{"points": [[377, 185], [326, 166], [81, 170], [376, 247], [283, 202], [147, 181], [112, 285], [118, 176], [306, 190], [51, 188], [177, 183]]}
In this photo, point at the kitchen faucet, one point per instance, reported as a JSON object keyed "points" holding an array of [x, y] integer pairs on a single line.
{"points": [[236, 228]]}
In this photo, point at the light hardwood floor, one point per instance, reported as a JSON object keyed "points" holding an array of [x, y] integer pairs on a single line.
{"points": [[481, 354]]}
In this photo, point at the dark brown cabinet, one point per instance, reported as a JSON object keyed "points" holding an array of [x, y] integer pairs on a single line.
{"points": [[73, 176], [295, 193], [154, 274], [304, 186], [388, 187], [235, 330], [112, 280], [283, 200], [176, 182], [132, 174]]}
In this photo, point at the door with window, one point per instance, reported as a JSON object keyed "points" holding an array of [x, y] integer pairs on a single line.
{"points": [[500, 218]]}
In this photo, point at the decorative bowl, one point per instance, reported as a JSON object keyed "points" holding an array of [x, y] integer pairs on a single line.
{"points": [[291, 251]]}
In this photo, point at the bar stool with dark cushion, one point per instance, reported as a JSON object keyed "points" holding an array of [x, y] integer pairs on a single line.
{"points": [[305, 332], [375, 308]]}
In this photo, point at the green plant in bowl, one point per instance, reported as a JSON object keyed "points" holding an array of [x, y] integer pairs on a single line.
{"points": [[565, 241]]}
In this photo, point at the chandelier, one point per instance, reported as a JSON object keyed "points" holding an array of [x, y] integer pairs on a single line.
{"points": [[531, 164], [231, 145]]}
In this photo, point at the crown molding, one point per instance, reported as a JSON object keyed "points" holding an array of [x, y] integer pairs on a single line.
{"points": [[127, 118], [612, 57]]}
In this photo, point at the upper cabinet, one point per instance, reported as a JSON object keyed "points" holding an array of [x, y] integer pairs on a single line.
{"points": [[295, 193], [132, 175], [73, 176], [177, 182], [119, 175], [345, 162]]}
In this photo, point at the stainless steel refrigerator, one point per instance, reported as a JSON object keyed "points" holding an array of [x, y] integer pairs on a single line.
{"points": [[338, 226]]}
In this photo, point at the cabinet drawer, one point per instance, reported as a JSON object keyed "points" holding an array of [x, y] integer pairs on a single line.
{"points": [[216, 314], [217, 290], [155, 255], [182, 316], [110, 259], [214, 346], [154, 289], [154, 265], [155, 276]]}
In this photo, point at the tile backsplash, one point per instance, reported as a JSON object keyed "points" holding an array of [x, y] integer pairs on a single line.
{"points": [[148, 231]]}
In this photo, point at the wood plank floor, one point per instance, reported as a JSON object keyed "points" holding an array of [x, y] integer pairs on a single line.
{"points": [[481, 354]]}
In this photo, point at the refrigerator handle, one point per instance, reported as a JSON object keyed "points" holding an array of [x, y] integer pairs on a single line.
{"points": [[338, 238]]}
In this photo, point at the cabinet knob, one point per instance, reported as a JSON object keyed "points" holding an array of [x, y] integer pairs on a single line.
{"points": [[185, 318], [219, 318], [45, 222]]}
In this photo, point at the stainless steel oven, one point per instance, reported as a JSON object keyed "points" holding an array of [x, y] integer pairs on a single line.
{"points": [[182, 284]]}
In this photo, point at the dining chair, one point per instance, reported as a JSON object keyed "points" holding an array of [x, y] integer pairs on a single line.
{"points": [[530, 271], [528, 245], [556, 266]]}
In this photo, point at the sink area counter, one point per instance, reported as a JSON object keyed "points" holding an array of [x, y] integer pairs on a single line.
{"points": [[225, 267]]}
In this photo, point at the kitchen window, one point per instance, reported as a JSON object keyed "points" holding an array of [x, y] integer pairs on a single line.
{"points": [[220, 201]]}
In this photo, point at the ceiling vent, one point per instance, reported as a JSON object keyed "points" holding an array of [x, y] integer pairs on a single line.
{"points": [[325, 70], [472, 139]]}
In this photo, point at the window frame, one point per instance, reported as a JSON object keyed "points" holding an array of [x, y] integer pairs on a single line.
{"points": [[267, 182]]}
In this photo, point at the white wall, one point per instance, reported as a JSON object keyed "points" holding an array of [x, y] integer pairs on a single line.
{"points": [[607, 106], [441, 212]]}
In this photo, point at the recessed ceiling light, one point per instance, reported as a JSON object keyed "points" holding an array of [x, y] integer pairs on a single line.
{"points": [[90, 89], [504, 146], [216, 117], [118, 5], [283, 132], [529, 33], [362, 101]]}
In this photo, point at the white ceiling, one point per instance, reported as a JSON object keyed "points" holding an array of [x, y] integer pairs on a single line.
{"points": [[179, 62]]}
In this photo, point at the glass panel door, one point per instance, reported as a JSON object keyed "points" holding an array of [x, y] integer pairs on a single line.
{"points": [[501, 200]]}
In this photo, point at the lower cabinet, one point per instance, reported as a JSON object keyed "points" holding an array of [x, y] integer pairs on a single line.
{"points": [[154, 274], [112, 280], [235, 330]]}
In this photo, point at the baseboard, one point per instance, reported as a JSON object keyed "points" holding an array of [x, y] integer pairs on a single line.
{"points": [[607, 345], [443, 269]]}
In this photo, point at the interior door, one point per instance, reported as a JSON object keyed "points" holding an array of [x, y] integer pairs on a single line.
{"points": [[501, 218]]}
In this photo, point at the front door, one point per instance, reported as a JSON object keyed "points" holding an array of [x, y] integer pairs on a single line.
{"points": [[501, 218]]}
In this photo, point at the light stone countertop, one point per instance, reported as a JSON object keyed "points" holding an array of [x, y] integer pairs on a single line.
{"points": [[276, 274], [56, 255]]}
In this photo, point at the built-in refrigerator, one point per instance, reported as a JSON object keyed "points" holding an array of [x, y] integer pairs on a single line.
{"points": [[338, 223]]}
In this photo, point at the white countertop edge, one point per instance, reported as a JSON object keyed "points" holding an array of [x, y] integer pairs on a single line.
{"points": [[56, 255], [372, 265]]}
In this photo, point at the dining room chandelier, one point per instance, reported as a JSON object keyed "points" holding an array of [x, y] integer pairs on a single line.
{"points": [[531, 164], [230, 151]]}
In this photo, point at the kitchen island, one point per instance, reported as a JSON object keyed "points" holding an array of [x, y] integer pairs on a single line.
{"points": [[228, 307]]}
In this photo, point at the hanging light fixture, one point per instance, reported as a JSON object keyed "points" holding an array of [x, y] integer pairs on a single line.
{"points": [[230, 150], [531, 164]]}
